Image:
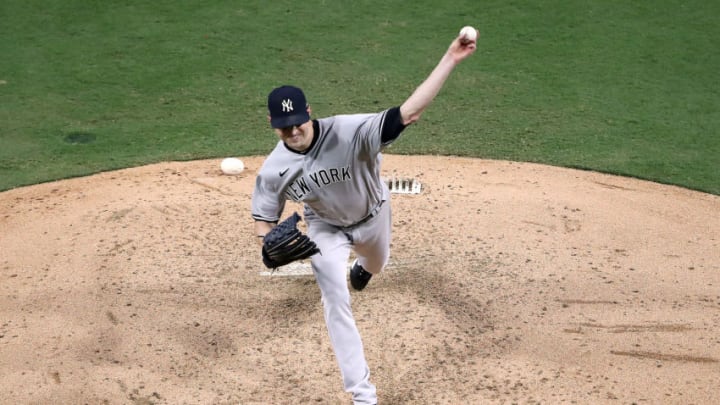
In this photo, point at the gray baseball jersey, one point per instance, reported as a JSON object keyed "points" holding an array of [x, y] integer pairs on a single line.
{"points": [[338, 177]]}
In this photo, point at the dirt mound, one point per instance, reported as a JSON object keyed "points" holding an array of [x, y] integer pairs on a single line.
{"points": [[507, 283]]}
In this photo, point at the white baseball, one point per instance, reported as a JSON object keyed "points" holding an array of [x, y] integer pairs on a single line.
{"points": [[232, 166], [468, 33]]}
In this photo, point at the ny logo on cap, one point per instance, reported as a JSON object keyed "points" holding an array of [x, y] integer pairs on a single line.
{"points": [[287, 105]]}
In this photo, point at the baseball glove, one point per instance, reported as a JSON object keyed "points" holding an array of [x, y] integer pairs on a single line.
{"points": [[285, 244]]}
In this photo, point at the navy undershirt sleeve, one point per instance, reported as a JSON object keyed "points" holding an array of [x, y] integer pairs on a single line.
{"points": [[393, 126]]}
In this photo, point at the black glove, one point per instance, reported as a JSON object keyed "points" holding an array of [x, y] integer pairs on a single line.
{"points": [[285, 244]]}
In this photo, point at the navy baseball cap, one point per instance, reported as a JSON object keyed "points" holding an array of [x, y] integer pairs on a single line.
{"points": [[288, 107]]}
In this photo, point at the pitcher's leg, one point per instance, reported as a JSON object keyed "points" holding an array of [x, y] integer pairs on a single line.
{"points": [[372, 241], [330, 272]]}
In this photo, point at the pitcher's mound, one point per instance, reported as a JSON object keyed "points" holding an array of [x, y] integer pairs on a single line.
{"points": [[508, 283]]}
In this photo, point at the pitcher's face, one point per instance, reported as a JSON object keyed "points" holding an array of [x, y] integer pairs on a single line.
{"points": [[298, 137]]}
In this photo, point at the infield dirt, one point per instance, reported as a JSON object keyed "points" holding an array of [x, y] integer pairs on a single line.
{"points": [[508, 283]]}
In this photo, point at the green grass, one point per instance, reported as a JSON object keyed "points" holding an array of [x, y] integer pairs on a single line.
{"points": [[630, 88]]}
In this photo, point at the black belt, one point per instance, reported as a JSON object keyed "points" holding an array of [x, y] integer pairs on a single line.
{"points": [[373, 213]]}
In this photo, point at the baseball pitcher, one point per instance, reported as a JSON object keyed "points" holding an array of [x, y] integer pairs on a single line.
{"points": [[332, 166]]}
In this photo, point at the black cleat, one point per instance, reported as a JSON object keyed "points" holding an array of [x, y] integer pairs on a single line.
{"points": [[359, 278]]}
